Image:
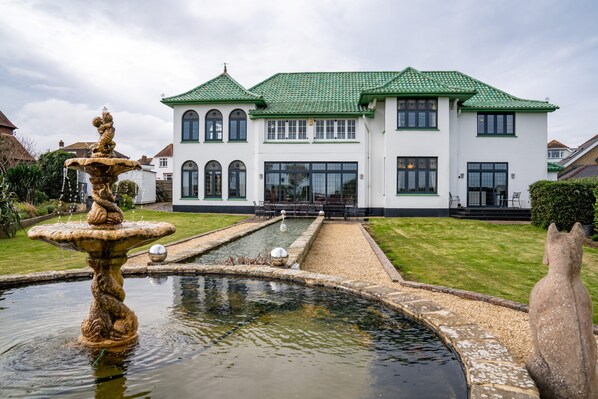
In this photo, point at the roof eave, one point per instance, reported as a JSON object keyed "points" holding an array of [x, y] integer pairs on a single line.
{"points": [[507, 109], [172, 103], [304, 115], [365, 98]]}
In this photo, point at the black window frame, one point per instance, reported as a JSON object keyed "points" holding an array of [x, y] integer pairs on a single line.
{"points": [[237, 133], [488, 130], [430, 108], [213, 184], [239, 171], [416, 168], [187, 132], [214, 119], [187, 174]]}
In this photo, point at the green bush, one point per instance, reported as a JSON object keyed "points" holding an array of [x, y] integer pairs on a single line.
{"points": [[53, 182], [161, 194], [563, 202], [126, 202], [9, 217], [127, 187], [24, 180]]}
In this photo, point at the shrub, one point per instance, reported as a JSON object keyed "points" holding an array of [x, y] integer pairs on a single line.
{"points": [[24, 180], [9, 217], [127, 187], [126, 202], [161, 194], [563, 202], [53, 183], [26, 210]]}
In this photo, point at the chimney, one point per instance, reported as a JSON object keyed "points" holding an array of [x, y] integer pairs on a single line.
{"points": [[61, 144], [143, 160]]}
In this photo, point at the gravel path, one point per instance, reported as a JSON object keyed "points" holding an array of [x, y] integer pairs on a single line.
{"points": [[341, 249]]}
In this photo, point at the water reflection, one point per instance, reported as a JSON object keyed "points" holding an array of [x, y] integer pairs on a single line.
{"points": [[226, 337]]}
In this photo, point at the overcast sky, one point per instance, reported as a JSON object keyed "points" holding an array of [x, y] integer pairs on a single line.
{"points": [[62, 61]]}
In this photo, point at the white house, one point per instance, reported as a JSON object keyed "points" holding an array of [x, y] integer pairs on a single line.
{"points": [[163, 163], [395, 143], [146, 182]]}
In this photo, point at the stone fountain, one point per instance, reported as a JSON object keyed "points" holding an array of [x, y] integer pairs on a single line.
{"points": [[106, 239]]}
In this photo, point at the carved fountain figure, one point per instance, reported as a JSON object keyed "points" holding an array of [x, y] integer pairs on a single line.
{"points": [[106, 239]]}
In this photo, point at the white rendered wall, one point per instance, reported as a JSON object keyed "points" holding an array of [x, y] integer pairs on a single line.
{"points": [[525, 152], [146, 181], [160, 170]]}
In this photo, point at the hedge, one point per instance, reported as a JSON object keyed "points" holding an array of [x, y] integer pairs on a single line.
{"points": [[563, 202]]}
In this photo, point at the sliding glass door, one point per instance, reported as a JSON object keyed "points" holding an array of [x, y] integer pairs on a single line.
{"points": [[487, 184]]}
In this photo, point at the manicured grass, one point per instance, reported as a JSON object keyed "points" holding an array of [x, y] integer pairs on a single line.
{"points": [[499, 260], [21, 255]]}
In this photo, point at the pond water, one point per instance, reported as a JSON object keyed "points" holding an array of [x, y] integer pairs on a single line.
{"points": [[258, 243], [221, 337]]}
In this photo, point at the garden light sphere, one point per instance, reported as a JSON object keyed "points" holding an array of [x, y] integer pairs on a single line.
{"points": [[157, 253]]}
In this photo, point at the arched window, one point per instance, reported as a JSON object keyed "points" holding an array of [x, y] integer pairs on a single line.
{"points": [[237, 126], [190, 126], [237, 180], [214, 126], [190, 182], [213, 179]]}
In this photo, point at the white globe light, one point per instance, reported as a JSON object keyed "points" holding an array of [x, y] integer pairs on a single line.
{"points": [[279, 256], [157, 253]]}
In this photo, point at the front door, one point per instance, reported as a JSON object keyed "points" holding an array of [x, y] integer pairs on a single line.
{"points": [[487, 183]]}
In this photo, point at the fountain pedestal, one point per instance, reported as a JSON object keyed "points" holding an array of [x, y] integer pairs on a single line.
{"points": [[106, 239]]}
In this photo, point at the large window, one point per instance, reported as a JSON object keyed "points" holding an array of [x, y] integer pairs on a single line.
{"points": [[189, 184], [214, 126], [417, 175], [420, 113], [311, 182], [190, 126], [337, 129], [237, 180], [237, 126], [487, 183], [286, 130], [213, 180], [495, 123]]}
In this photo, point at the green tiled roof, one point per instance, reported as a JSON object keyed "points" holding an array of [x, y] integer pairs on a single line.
{"points": [[555, 167], [410, 83], [327, 94], [221, 89], [316, 93], [488, 98]]}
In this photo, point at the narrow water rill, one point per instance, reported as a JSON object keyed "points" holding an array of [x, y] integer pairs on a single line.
{"points": [[106, 239]]}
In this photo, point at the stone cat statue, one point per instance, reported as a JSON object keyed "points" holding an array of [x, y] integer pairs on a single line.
{"points": [[563, 363]]}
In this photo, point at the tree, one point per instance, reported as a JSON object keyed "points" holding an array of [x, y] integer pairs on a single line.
{"points": [[53, 182], [24, 180], [9, 217]]}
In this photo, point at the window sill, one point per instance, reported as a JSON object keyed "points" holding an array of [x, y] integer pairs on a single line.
{"points": [[237, 141], [189, 141], [418, 195], [286, 142], [236, 199], [189, 199], [213, 199], [335, 142], [417, 129], [213, 141], [496, 135]]}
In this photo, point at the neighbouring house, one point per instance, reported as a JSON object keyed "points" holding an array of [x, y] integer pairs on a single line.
{"points": [[12, 151], [558, 151], [582, 163], [395, 143], [145, 160], [163, 162], [553, 171]]}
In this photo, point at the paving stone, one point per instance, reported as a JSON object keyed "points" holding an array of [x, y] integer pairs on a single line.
{"points": [[443, 318], [493, 392], [464, 332], [483, 350], [505, 374]]}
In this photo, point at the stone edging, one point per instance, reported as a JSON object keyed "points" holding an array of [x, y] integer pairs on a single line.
{"points": [[298, 249], [490, 370]]}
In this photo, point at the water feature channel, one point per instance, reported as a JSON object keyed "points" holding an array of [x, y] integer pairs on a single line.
{"points": [[221, 338], [260, 242]]}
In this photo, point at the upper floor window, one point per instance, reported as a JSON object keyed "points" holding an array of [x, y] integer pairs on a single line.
{"points": [[417, 175], [559, 153], [286, 130], [338, 129], [189, 184], [163, 162], [417, 113], [214, 125], [213, 180], [190, 126], [496, 123], [237, 126]]}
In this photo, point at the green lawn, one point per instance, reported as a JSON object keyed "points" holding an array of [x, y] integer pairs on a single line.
{"points": [[500, 260], [21, 255]]}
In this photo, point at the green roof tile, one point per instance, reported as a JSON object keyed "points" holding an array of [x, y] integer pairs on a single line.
{"points": [[221, 89], [555, 167], [319, 94], [409, 83]]}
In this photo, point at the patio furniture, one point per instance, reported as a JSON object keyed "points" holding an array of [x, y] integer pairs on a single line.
{"points": [[336, 209], [516, 199], [454, 199], [258, 210]]}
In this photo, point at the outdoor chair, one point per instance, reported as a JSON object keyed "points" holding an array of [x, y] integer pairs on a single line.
{"points": [[516, 199], [454, 199], [258, 210]]}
